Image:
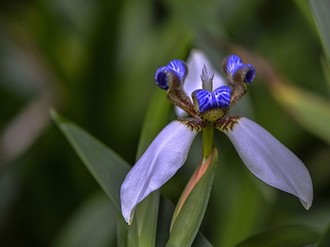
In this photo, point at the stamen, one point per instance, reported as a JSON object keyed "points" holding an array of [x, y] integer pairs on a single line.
{"points": [[207, 79]]}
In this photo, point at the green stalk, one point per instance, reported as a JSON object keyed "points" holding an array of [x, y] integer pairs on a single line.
{"points": [[208, 135]]}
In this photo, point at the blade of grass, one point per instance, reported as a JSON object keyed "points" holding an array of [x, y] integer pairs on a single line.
{"points": [[293, 236], [192, 205], [93, 224], [147, 211], [321, 14], [106, 166]]}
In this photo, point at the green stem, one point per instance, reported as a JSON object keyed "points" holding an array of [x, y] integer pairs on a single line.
{"points": [[208, 134]]}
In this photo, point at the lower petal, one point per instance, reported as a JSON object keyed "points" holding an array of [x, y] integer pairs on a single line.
{"points": [[163, 158], [268, 159]]}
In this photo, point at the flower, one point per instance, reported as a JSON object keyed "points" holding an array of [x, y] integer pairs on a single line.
{"points": [[262, 153]]}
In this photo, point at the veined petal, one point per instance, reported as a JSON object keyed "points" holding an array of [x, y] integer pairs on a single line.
{"points": [[179, 67], [206, 100], [163, 158], [237, 71], [195, 62], [269, 160]]}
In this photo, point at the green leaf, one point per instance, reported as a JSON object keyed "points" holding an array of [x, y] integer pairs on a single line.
{"points": [[201, 241], [93, 224], [164, 220], [326, 69], [192, 205], [325, 239], [156, 118], [293, 236], [322, 19], [311, 111], [146, 217], [122, 233], [146, 213], [246, 204], [105, 165], [305, 10]]}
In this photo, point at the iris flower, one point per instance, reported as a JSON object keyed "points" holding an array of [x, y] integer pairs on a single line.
{"points": [[262, 153]]}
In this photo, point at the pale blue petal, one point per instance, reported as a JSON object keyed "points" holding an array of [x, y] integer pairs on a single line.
{"points": [[270, 160], [163, 158], [195, 62]]}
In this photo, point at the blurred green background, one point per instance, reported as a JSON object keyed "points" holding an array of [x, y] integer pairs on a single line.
{"points": [[94, 61]]}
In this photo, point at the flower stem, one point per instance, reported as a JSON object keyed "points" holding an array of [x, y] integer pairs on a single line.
{"points": [[208, 134]]}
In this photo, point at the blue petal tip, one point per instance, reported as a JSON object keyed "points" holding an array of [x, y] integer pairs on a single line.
{"points": [[231, 63], [161, 78], [176, 68], [238, 71], [179, 67], [250, 74]]}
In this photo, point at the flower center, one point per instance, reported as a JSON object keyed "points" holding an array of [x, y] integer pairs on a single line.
{"points": [[207, 104], [212, 105]]}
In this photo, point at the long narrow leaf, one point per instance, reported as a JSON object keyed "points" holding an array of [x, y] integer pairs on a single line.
{"points": [[192, 205], [322, 18], [311, 111], [93, 224], [325, 239], [293, 236], [106, 166], [164, 220], [147, 211]]}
